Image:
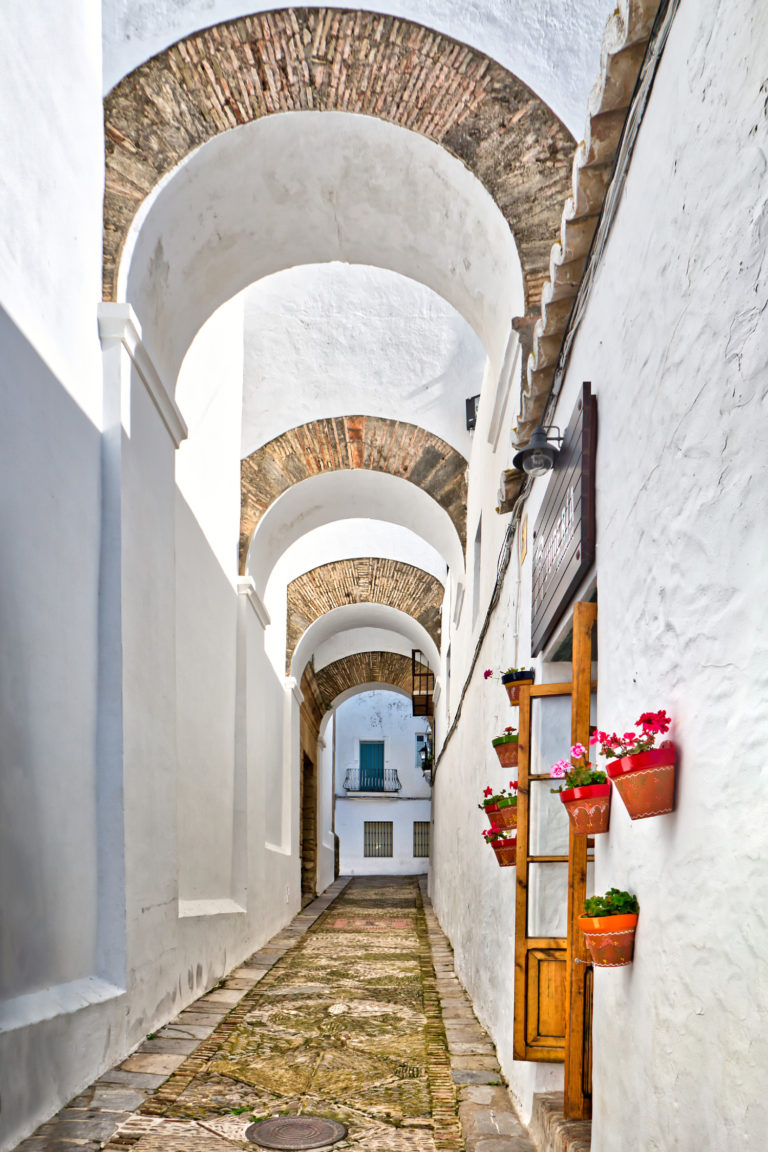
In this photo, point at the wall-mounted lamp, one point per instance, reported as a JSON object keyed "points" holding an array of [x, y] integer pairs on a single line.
{"points": [[538, 457], [427, 758]]}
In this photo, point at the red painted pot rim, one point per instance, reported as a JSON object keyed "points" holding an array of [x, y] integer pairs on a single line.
{"points": [[608, 923], [491, 807], [585, 792], [655, 758], [508, 842]]}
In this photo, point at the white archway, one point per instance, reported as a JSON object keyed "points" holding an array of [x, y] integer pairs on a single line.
{"points": [[347, 495], [353, 616], [306, 188], [352, 640]]}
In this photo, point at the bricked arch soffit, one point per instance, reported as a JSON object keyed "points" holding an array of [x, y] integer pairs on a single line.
{"points": [[368, 580], [325, 59], [363, 670], [351, 442]]}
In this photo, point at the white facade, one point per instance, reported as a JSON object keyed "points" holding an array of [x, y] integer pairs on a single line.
{"points": [[386, 717], [150, 758]]}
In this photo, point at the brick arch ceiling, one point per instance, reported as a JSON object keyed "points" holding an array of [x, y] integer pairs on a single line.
{"points": [[371, 442], [390, 669], [325, 59], [368, 580]]}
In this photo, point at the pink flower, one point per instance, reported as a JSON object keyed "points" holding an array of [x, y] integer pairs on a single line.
{"points": [[488, 672], [577, 751], [560, 769]]}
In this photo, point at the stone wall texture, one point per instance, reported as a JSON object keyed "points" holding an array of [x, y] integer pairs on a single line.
{"points": [[369, 580], [385, 668], [329, 60], [371, 442]]}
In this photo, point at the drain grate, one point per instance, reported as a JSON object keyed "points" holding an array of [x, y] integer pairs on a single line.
{"points": [[294, 1133]]}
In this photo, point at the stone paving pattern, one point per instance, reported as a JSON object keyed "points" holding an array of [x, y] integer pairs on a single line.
{"points": [[353, 1012]]}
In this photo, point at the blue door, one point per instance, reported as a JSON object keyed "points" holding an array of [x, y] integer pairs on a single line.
{"points": [[371, 765]]}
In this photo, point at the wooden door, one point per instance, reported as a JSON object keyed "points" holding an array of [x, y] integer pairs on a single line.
{"points": [[540, 956], [552, 970]]}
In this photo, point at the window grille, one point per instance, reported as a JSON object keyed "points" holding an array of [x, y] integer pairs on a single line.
{"points": [[421, 838], [377, 838]]}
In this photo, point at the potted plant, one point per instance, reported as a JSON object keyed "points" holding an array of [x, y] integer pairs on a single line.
{"points": [[506, 748], [608, 925], [586, 794], [643, 774], [501, 807], [504, 844], [512, 679]]}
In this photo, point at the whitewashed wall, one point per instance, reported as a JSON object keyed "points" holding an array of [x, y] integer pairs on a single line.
{"points": [[673, 341], [60, 964], [380, 715]]}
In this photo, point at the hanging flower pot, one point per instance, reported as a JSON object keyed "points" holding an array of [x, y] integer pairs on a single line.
{"points": [[506, 852], [643, 774], [504, 844], [501, 807], [609, 924], [646, 782], [506, 813], [587, 794], [512, 681], [610, 939], [589, 808], [506, 748]]}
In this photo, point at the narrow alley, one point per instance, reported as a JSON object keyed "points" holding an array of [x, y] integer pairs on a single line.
{"points": [[351, 1014]]}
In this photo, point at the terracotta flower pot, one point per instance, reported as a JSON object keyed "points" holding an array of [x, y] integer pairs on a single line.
{"points": [[512, 682], [491, 811], [506, 750], [505, 816], [646, 782], [610, 939], [506, 852], [588, 808]]}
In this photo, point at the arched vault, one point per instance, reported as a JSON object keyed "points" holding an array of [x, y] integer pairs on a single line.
{"points": [[345, 443], [384, 669], [321, 59], [352, 617]]}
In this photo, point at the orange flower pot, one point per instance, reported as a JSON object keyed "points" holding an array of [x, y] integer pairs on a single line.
{"points": [[512, 684], [588, 808], [506, 852], [646, 782], [505, 817], [507, 752], [610, 939]]}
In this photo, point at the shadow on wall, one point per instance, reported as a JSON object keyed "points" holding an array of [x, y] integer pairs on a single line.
{"points": [[50, 519]]}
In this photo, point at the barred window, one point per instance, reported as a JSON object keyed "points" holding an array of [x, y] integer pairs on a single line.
{"points": [[377, 838], [421, 837]]}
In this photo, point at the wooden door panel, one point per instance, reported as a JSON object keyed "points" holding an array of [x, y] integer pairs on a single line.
{"points": [[545, 1023]]}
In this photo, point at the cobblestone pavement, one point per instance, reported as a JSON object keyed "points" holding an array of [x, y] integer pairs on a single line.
{"points": [[353, 1013]]}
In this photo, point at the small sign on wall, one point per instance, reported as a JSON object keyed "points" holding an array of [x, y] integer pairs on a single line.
{"points": [[564, 538]]}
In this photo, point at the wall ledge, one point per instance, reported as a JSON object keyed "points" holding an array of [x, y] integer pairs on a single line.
{"points": [[118, 324], [57, 1000], [247, 588]]}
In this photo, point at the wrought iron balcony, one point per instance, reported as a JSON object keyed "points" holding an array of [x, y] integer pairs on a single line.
{"points": [[381, 780]]}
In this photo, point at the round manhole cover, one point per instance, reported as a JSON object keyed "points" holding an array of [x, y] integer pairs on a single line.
{"points": [[293, 1133]]}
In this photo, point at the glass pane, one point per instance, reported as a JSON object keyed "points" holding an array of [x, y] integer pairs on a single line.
{"points": [[548, 900], [548, 821], [550, 741], [550, 731]]}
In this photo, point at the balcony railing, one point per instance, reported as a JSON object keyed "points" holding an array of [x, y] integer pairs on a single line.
{"points": [[383, 780]]}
